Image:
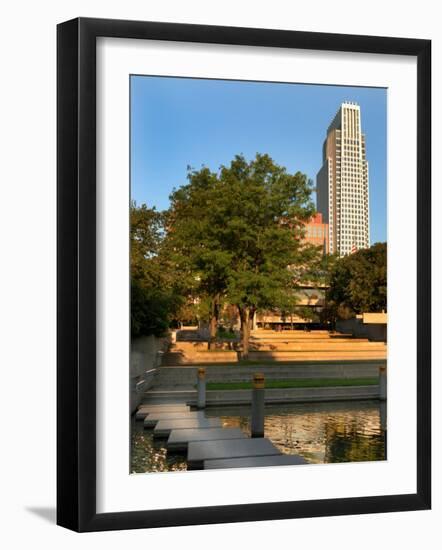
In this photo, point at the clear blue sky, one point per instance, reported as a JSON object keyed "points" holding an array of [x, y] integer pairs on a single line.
{"points": [[176, 122]]}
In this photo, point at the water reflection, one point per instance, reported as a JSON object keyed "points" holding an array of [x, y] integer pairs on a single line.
{"points": [[320, 432]]}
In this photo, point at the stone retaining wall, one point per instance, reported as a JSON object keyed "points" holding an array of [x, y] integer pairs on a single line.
{"points": [[145, 358], [294, 395], [201, 357], [187, 376], [190, 349]]}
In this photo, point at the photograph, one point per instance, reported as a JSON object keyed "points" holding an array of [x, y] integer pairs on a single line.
{"points": [[217, 286], [258, 274]]}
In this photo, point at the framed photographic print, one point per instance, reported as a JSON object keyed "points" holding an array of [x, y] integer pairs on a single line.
{"points": [[227, 201]]}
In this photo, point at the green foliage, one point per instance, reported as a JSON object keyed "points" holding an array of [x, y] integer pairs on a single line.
{"points": [[146, 229], [231, 240], [192, 239], [264, 209], [236, 230], [224, 334], [151, 309], [155, 298], [358, 283], [237, 234]]}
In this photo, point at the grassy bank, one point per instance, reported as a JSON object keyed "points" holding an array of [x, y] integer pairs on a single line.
{"points": [[298, 383]]}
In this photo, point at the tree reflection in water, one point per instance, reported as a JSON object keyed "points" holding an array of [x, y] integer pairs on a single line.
{"points": [[348, 431], [320, 432], [353, 442]]}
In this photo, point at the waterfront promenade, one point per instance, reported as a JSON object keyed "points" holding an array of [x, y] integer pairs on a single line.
{"points": [[206, 443], [297, 365], [338, 368]]}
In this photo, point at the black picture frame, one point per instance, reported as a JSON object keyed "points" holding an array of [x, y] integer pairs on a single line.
{"points": [[77, 287]]}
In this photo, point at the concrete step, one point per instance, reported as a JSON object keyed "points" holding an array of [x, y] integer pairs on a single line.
{"points": [[254, 462], [144, 410], [169, 397], [314, 347], [298, 334], [164, 427], [228, 357], [317, 355], [317, 338], [313, 341], [152, 419], [181, 358], [149, 408], [186, 347], [182, 354], [199, 451], [179, 439]]}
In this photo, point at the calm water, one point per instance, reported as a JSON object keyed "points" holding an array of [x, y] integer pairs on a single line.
{"points": [[320, 432]]}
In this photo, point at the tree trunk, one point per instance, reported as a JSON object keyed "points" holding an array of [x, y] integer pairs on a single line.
{"points": [[246, 315], [213, 325]]}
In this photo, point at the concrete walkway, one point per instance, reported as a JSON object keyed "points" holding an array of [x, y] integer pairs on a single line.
{"points": [[180, 439], [199, 451], [207, 443], [254, 462], [163, 428]]}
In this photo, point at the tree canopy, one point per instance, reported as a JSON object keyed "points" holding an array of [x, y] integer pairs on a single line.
{"points": [[155, 295], [239, 231], [231, 240], [358, 282]]}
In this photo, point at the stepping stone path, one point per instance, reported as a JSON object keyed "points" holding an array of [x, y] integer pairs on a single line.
{"points": [[152, 418], [179, 439], [164, 427], [200, 451], [209, 445], [144, 410], [254, 461]]}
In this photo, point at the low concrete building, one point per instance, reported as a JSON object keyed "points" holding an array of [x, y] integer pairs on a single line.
{"points": [[311, 300], [366, 325]]}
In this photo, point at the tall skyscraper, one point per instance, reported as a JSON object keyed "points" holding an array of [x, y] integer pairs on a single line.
{"points": [[342, 183]]}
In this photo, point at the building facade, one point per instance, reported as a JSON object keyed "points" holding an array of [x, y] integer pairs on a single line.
{"points": [[317, 232], [310, 303], [342, 183]]}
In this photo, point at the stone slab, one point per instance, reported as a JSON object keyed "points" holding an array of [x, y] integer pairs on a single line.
{"points": [[199, 451], [179, 439], [152, 418], [164, 427], [143, 410], [254, 462], [165, 407]]}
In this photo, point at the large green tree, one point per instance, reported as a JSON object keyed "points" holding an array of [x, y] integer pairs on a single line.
{"points": [[358, 283], [240, 232], [264, 211], [193, 242], [155, 297]]}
